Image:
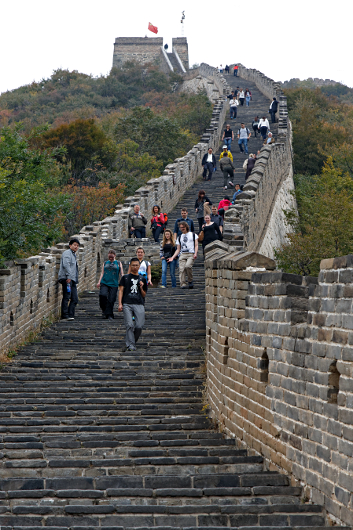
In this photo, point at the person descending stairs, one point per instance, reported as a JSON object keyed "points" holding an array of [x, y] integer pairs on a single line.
{"points": [[94, 437]]}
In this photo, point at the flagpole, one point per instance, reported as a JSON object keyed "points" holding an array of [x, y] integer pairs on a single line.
{"points": [[182, 23]]}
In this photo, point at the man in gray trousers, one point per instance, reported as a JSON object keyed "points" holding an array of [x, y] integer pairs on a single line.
{"points": [[132, 294], [68, 277]]}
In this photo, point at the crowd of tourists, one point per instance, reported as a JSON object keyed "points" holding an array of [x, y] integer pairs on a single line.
{"points": [[179, 247]]}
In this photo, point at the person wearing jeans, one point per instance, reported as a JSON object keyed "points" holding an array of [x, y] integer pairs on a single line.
{"points": [[136, 223], [167, 250], [228, 136], [243, 136], [264, 126], [68, 277]]}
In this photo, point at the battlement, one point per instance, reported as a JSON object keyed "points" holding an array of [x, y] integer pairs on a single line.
{"points": [[145, 50]]}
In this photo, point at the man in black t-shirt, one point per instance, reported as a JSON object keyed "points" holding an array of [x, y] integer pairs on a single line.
{"points": [[132, 294]]}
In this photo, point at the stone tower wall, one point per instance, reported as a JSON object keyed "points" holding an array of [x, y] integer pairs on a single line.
{"points": [[180, 44], [140, 49]]}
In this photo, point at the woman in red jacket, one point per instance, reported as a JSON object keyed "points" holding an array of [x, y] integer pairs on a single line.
{"points": [[224, 205], [157, 222]]}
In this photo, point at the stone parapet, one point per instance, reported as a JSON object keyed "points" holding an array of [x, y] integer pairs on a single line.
{"points": [[258, 212], [280, 369]]}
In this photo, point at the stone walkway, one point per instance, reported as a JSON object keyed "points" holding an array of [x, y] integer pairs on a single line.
{"points": [[91, 437]]}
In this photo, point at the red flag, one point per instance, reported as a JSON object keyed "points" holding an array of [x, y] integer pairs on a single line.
{"points": [[152, 28]]}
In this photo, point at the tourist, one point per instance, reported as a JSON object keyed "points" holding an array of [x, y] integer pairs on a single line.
{"points": [[187, 248], [184, 217], [168, 248], [221, 69], [225, 152], [68, 277], [255, 125], [247, 97], [137, 222], [249, 165], [264, 127], [209, 163], [211, 232], [233, 107], [228, 136], [108, 284], [238, 190], [243, 136], [157, 222], [145, 266], [224, 205], [227, 69], [235, 70], [228, 171], [270, 139], [216, 218], [273, 110], [241, 97], [132, 294], [202, 203]]}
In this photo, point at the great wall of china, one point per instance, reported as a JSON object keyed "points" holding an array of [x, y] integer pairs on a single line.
{"points": [[279, 360]]}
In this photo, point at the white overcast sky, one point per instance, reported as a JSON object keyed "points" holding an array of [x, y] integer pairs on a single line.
{"points": [[302, 38]]}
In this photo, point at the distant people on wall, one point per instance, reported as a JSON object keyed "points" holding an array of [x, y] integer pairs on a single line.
{"points": [[264, 126], [228, 136], [209, 163], [235, 70], [273, 109]]}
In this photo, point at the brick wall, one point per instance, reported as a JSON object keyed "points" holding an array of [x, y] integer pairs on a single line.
{"points": [[280, 367], [180, 44], [29, 291], [142, 50]]}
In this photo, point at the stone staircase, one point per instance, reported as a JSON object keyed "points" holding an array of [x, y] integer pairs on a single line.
{"points": [[175, 63], [91, 437]]}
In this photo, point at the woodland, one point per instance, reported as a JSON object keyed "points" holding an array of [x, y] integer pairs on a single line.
{"points": [[322, 226]]}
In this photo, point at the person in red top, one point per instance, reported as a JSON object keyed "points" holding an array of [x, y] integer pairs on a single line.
{"points": [[224, 205], [236, 70], [157, 222]]}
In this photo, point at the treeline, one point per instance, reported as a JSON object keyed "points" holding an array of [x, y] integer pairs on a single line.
{"points": [[323, 176], [73, 146]]}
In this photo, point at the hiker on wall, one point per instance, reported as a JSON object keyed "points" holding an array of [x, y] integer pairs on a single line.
{"points": [[108, 284], [187, 248], [157, 222], [132, 294], [68, 277]]}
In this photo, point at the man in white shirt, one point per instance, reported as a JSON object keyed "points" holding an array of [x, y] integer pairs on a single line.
{"points": [[243, 137], [187, 247]]}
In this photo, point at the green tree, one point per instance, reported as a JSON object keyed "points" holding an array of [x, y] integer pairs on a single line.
{"points": [[325, 226], [30, 212], [157, 135]]}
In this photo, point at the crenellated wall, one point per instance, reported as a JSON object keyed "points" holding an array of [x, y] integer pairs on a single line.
{"points": [[29, 292], [280, 368], [257, 218]]}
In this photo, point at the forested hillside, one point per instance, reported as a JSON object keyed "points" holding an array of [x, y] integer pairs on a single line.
{"points": [[323, 174], [92, 141]]}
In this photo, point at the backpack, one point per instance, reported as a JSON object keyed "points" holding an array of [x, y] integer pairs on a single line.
{"points": [[164, 225]]}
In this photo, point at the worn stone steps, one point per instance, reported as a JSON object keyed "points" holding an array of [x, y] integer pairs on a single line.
{"points": [[94, 437]]}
